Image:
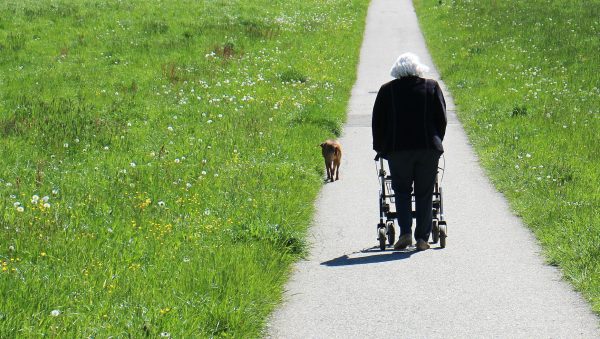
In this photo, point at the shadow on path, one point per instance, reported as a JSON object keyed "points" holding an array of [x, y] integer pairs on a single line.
{"points": [[377, 256]]}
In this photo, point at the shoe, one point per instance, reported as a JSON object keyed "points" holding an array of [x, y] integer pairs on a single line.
{"points": [[404, 241], [422, 245]]}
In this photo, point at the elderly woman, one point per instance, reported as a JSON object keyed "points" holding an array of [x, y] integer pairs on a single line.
{"points": [[409, 123]]}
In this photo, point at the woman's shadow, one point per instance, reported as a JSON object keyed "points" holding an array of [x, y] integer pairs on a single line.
{"points": [[374, 256]]}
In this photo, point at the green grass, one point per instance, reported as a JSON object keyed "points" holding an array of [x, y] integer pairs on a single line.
{"points": [[158, 159], [525, 77]]}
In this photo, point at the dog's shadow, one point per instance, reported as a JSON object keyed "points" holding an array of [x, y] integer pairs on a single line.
{"points": [[374, 256]]}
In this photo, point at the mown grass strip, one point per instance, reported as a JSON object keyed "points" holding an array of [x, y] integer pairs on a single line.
{"points": [[525, 77], [159, 160]]}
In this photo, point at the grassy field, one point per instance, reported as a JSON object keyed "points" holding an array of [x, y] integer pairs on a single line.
{"points": [[158, 159], [525, 76]]}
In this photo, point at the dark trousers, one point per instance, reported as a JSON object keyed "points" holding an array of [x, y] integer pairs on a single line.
{"points": [[418, 167]]}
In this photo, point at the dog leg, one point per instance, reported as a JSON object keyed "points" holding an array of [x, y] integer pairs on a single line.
{"points": [[328, 170]]}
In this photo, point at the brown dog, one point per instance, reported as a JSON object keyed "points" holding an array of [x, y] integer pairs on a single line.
{"points": [[332, 152]]}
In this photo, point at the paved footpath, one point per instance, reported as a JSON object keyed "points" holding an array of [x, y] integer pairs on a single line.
{"points": [[489, 282]]}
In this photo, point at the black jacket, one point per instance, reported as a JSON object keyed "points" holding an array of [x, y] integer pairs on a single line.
{"points": [[409, 114]]}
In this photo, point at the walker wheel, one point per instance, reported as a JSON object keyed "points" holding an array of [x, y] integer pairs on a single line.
{"points": [[435, 232], [381, 238], [443, 236], [391, 233]]}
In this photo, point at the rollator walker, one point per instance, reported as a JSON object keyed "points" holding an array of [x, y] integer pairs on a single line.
{"points": [[387, 214]]}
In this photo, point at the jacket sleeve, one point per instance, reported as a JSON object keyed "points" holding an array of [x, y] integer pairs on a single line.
{"points": [[378, 121], [439, 111]]}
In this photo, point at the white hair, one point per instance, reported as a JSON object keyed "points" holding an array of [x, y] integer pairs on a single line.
{"points": [[408, 64]]}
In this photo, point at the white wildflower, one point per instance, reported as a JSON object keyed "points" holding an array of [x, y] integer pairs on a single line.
{"points": [[55, 313]]}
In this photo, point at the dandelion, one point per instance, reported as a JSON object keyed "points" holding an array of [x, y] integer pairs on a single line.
{"points": [[16, 204], [170, 128], [106, 148], [177, 160], [65, 145], [161, 203], [55, 313], [132, 164], [35, 199], [55, 191], [20, 209], [188, 185], [207, 212], [165, 334], [45, 198], [209, 121], [203, 172], [46, 205]]}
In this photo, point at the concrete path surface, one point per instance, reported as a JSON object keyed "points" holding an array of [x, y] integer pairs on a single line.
{"points": [[489, 282]]}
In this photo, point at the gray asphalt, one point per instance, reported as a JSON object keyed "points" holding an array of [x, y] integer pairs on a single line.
{"points": [[489, 282]]}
